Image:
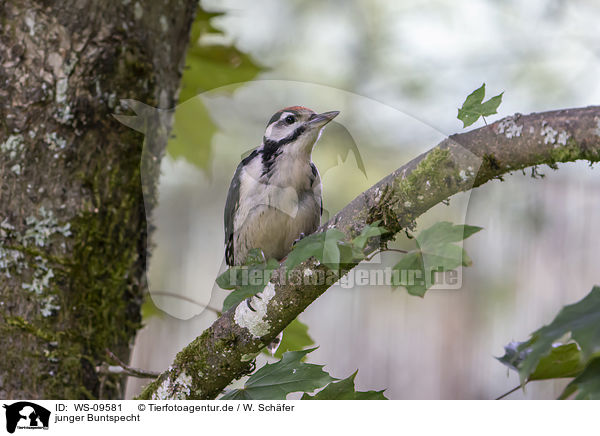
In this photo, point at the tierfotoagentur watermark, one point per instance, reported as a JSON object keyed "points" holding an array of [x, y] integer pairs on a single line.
{"points": [[433, 278]]}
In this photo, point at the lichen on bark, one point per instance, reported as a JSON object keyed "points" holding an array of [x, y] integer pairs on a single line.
{"points": [[73, 209]]}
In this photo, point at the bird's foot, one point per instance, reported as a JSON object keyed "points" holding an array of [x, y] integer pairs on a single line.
{"points": [[301, 237], [274, 345]]}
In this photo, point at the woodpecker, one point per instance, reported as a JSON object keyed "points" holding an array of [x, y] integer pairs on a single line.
{"points": [[275, 194]]}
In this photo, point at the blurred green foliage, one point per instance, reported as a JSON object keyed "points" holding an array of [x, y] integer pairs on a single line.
{"points": [[542, 358], [149, 309], [207, 66], [295, 337]]}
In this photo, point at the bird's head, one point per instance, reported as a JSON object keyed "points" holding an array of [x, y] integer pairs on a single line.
{"points": [[296, 128]]}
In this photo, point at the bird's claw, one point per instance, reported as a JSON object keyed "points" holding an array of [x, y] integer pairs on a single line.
{"points": [[301, 237]]}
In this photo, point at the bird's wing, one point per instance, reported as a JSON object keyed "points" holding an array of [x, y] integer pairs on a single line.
{"points": [[231, 207], [316, 184]]}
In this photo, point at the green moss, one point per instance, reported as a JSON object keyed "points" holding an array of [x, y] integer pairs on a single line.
{"points": [[105, 296], [193, 361], [491, 168], [490, 162], [190, 358], [435, 174], [569, 153], [20, 323], [92, 282], [103, 273], [385, 211], [152, 387]]}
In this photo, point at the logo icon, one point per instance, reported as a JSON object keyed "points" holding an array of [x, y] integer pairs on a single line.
{"points": [[26, 415]]}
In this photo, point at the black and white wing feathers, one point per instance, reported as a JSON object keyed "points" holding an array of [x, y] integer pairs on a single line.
{"points": [[231, 207]]}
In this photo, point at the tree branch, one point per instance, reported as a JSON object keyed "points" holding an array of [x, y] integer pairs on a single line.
{"points": [[123, 368], [461, 162]]}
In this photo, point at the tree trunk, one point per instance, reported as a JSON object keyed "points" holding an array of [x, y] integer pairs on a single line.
{"points": [[73, 210]]}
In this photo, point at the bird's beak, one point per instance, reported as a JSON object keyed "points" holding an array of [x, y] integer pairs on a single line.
{"points": [[319, 120]]}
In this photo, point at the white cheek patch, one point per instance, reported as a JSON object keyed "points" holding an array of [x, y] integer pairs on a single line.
{"points": [[269, 130]]}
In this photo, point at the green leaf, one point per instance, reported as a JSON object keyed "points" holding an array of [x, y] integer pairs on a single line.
{"points": [[192, 133], [586, 384], [436, 252], [295, 337], [203, 24], [473, 108], [275, 381], [344, 390], [207, 67], [411, 274], [369, 231], [331, 253], [330, 248], [307, 247], [212, 66], [324, 246], [262, 276], [443, 233], [236, 297], [562, 362], [444, 258], [247, 280], [581, 320], [149, 309], [230, 278], [255, 257]]}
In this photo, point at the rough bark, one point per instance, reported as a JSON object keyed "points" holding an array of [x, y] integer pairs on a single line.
{"points": [[73, 232], [461, 162]]}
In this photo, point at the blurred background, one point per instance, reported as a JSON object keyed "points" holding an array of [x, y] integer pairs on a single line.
{"points": [[397, 71]]}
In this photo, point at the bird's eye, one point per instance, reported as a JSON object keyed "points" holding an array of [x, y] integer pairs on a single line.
{"points": [[290, 119]]}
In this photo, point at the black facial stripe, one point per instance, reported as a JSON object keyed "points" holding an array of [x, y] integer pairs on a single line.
{"points": [[249, 158], [271, 149], [268, 159], [299, 131], [270, 146]]}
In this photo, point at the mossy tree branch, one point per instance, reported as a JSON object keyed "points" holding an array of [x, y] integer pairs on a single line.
{"points": [[459, 163]]}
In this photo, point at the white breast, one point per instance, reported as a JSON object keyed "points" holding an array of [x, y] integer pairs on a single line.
{"points": [[271, 216]]}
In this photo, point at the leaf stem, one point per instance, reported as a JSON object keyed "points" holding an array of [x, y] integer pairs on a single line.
{"points": [[182, 297], [397, 250], [126, 369], [506, 394]]}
